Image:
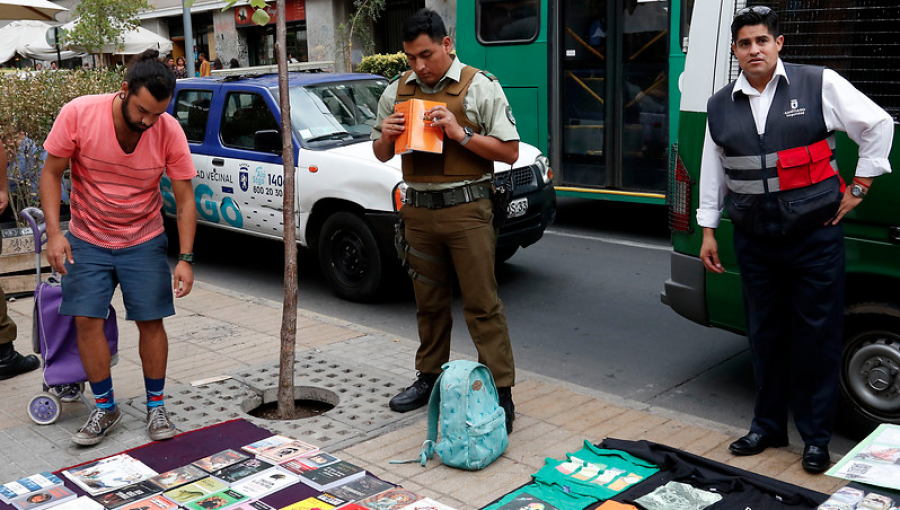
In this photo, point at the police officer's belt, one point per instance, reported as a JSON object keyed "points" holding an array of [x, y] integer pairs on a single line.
{"points": [[448, 197]]}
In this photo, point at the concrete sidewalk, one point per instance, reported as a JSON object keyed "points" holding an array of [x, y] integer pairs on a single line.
{"points": [[221, 333]]}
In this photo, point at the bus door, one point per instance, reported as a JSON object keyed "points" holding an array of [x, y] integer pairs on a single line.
{"points": [[609, 114]]}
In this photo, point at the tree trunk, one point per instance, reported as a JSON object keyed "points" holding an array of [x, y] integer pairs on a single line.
{"points": [[289, 310]]}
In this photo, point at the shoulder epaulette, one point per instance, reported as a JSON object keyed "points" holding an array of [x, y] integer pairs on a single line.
{"points": [[489, 75]]}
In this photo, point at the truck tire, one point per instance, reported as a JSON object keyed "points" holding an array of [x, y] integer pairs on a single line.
{"points": [[350, 257], [870, 361]]}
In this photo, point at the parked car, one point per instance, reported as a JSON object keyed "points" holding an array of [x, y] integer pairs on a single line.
{"points": [[346, 200]]}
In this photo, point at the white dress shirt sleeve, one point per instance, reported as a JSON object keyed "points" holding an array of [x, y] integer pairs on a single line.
{"points": [[845, 108], [712, 184]]}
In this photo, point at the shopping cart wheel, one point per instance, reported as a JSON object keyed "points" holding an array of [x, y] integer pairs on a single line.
{"points": [[44, 408]]}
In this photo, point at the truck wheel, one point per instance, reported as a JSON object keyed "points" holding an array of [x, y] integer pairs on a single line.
{"points": [[870, 362], [350, 257], [504, 253]]}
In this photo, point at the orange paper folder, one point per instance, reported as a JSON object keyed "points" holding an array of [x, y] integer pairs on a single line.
{"points": [[420, 134]]}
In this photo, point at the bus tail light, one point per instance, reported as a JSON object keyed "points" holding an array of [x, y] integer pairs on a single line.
{"points": [[679, 196]]}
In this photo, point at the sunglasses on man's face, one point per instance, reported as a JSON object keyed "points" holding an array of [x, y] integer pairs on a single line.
{"points": [[762, 10]]}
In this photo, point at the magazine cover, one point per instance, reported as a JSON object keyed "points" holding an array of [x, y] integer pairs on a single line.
{"points": [[875, 460], [242, 470], [217, 501], [360, 489], [28, 485], [265, 484], [109, 474], [126, 495], [219, 460], [158, 502], [309, 504], [254, 447], [287, 451], [44, 498], [176, 477], [391, 499]]}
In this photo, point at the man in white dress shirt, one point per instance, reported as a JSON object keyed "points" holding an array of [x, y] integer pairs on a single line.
{"points": [[769, 160]]}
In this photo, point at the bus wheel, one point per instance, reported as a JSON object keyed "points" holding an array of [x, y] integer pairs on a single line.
{"points": [[350, 257], [870, 362]]}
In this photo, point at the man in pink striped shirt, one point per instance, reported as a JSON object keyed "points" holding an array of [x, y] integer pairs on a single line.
{"points": [[119, 145]]}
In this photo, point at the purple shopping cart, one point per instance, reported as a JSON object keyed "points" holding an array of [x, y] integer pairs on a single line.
{"points": [[54, 338]]}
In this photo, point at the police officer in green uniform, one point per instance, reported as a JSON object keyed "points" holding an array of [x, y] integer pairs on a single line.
{"points": [[448, 213], [11, 362]]}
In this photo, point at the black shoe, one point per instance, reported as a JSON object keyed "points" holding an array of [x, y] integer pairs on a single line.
{"points": [[14, 364], [754, 443], [816, 459], [506, 402], [415, 396]]}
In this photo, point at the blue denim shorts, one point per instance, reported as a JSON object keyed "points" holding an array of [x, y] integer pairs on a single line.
{"points": [[141, 270]]}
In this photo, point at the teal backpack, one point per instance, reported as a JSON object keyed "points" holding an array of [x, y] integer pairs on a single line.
{"points": [[472, 423]]}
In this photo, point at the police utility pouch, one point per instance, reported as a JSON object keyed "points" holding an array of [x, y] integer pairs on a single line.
{"points": [[501, 196], [804, 166], [786, 212]]}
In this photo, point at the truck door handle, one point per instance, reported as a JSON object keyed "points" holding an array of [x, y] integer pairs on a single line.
{"points": [[218, 162]]}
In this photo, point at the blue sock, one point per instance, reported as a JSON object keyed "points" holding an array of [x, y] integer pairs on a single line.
{"points": [[154, 389], [103, 394]]}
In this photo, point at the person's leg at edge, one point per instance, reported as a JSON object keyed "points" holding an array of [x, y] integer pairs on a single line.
{"points": [[473, 250], [11, 362], [433, 300], [154, 351]]}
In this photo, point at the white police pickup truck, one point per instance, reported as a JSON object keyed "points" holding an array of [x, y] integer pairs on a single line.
{"points": [[346, 200]]}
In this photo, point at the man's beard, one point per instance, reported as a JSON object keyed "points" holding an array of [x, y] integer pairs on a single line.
{"points": [[137, 127]]}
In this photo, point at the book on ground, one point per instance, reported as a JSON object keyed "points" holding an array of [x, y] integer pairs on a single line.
{"points": [[254, 505], [80, 503], [309, 504], [44, 498], [304, 464], [28, 485], [128, 494], [158, 502], [109, 474], [218, 501], [243, 470], [287, 451], [429, 504], [331, 499], [361, 488], [328, 477], [177, 476], [219, 460], [419, 133], [254, 447], [195, 490], [398, 497], [265, 484]]}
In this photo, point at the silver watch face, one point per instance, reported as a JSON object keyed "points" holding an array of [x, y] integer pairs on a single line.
{"points": [[857, 191]]}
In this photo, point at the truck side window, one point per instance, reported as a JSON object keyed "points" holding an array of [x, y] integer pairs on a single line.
{"points": [[507, 22], [245, 113], [192, 112]]}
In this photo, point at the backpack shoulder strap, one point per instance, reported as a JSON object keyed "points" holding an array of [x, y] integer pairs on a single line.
{"points": [[434, 412]]}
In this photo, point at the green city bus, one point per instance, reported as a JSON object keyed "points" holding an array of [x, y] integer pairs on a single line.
{"points": [[592, 83]]}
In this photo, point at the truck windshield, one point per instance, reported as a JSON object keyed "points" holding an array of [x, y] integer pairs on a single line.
{"points": [[331, 114]]}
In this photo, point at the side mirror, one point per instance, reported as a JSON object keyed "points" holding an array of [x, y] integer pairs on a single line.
{"points": [[268, 140]]}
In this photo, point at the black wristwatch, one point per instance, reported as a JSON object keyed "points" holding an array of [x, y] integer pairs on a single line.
{"points": [[187, 257], [469, 134]]}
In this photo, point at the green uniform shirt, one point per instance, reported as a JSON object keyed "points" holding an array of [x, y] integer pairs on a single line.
{"points": [[485, 105]]}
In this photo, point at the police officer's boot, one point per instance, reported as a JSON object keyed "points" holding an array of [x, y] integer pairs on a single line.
{"points": [[12, 363]]}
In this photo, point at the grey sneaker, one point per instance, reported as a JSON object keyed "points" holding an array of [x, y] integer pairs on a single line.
{"points": [[98, 424], [159, 426]]}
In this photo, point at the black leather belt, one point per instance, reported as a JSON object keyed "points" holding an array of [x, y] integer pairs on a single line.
{"points": [[448, 197]]}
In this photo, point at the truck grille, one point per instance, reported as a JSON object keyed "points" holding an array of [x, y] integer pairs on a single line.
{"points": [[856, 38]]}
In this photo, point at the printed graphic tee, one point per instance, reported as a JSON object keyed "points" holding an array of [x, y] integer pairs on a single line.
{"points": [[678, 496], [115, 199]]}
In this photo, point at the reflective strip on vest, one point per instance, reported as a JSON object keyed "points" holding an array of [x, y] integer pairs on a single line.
{"points": [[751, 183]]}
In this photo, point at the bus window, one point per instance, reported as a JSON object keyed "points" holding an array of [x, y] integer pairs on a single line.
{"points": [[507, 21]]}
